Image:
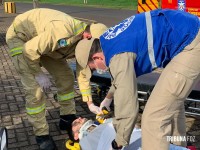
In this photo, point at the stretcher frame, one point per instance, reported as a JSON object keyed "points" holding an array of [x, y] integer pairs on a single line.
{"points": [[101, 84]]}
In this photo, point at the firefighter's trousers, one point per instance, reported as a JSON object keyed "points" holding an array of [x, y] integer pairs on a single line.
{"points": [[35, 98], [164, 114]]}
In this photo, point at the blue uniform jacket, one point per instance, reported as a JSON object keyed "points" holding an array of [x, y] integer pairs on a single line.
{"points": [[164, 33]]}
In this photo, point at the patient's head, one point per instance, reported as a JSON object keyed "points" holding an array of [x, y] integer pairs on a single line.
{"points": [[76, 126]]}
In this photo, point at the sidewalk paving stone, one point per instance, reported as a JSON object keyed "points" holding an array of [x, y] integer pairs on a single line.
{"points": [[12, 101]]}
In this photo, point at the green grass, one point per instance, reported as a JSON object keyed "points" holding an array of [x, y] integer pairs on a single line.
{"points": [[119, 4]]}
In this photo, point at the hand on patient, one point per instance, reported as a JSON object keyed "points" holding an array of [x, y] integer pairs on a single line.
{"points": [[106, 103], [94, 109]]}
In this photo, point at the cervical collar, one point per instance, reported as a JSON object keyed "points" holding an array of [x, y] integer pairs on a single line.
{"points": [[84, 129]]}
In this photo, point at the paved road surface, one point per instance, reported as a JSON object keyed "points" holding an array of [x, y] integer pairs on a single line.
{"points": [[107, 16]]}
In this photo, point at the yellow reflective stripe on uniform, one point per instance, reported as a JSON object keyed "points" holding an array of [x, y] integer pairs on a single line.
{"points": [[65, 97], [36, 110], [79, 27], [86, 92], [16, 51]]}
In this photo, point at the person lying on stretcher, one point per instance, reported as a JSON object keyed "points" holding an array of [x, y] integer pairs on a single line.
{"points": [[95, 136]]}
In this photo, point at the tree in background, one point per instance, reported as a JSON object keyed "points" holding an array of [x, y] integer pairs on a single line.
{"points": [[85, 1]]}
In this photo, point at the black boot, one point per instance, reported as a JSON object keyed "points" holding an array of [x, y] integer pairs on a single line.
{"points": [[45, 142], [66, 124]]}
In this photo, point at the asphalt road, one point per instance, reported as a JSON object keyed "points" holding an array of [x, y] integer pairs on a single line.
{"points": [[109, 17]]}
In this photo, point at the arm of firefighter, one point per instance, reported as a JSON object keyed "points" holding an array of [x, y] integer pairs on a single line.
{"points": [[84, 84], [125, 96], [56, 36], [85, 89]]}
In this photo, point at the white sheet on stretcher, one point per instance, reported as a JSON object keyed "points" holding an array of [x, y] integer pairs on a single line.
{"points": [[102, 136]]}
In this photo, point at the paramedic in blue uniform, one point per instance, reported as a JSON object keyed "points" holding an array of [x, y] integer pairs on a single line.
{"points": [[138, 45]]}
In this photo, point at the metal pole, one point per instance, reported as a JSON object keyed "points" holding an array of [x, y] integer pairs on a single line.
{"points": [[35, 4]]}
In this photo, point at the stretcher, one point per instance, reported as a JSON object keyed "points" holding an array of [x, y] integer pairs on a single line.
{"points": [[101, 83], [107, 133], [135, 141]]}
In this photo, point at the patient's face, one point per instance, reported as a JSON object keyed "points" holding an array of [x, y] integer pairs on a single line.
{"points": [[76, 125]]}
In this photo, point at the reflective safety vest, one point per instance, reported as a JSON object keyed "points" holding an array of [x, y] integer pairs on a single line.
{"points": [[155, 37]]}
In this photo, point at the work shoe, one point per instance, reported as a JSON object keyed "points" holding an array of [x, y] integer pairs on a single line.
{"points": [[66, 124], [45, 142]]}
